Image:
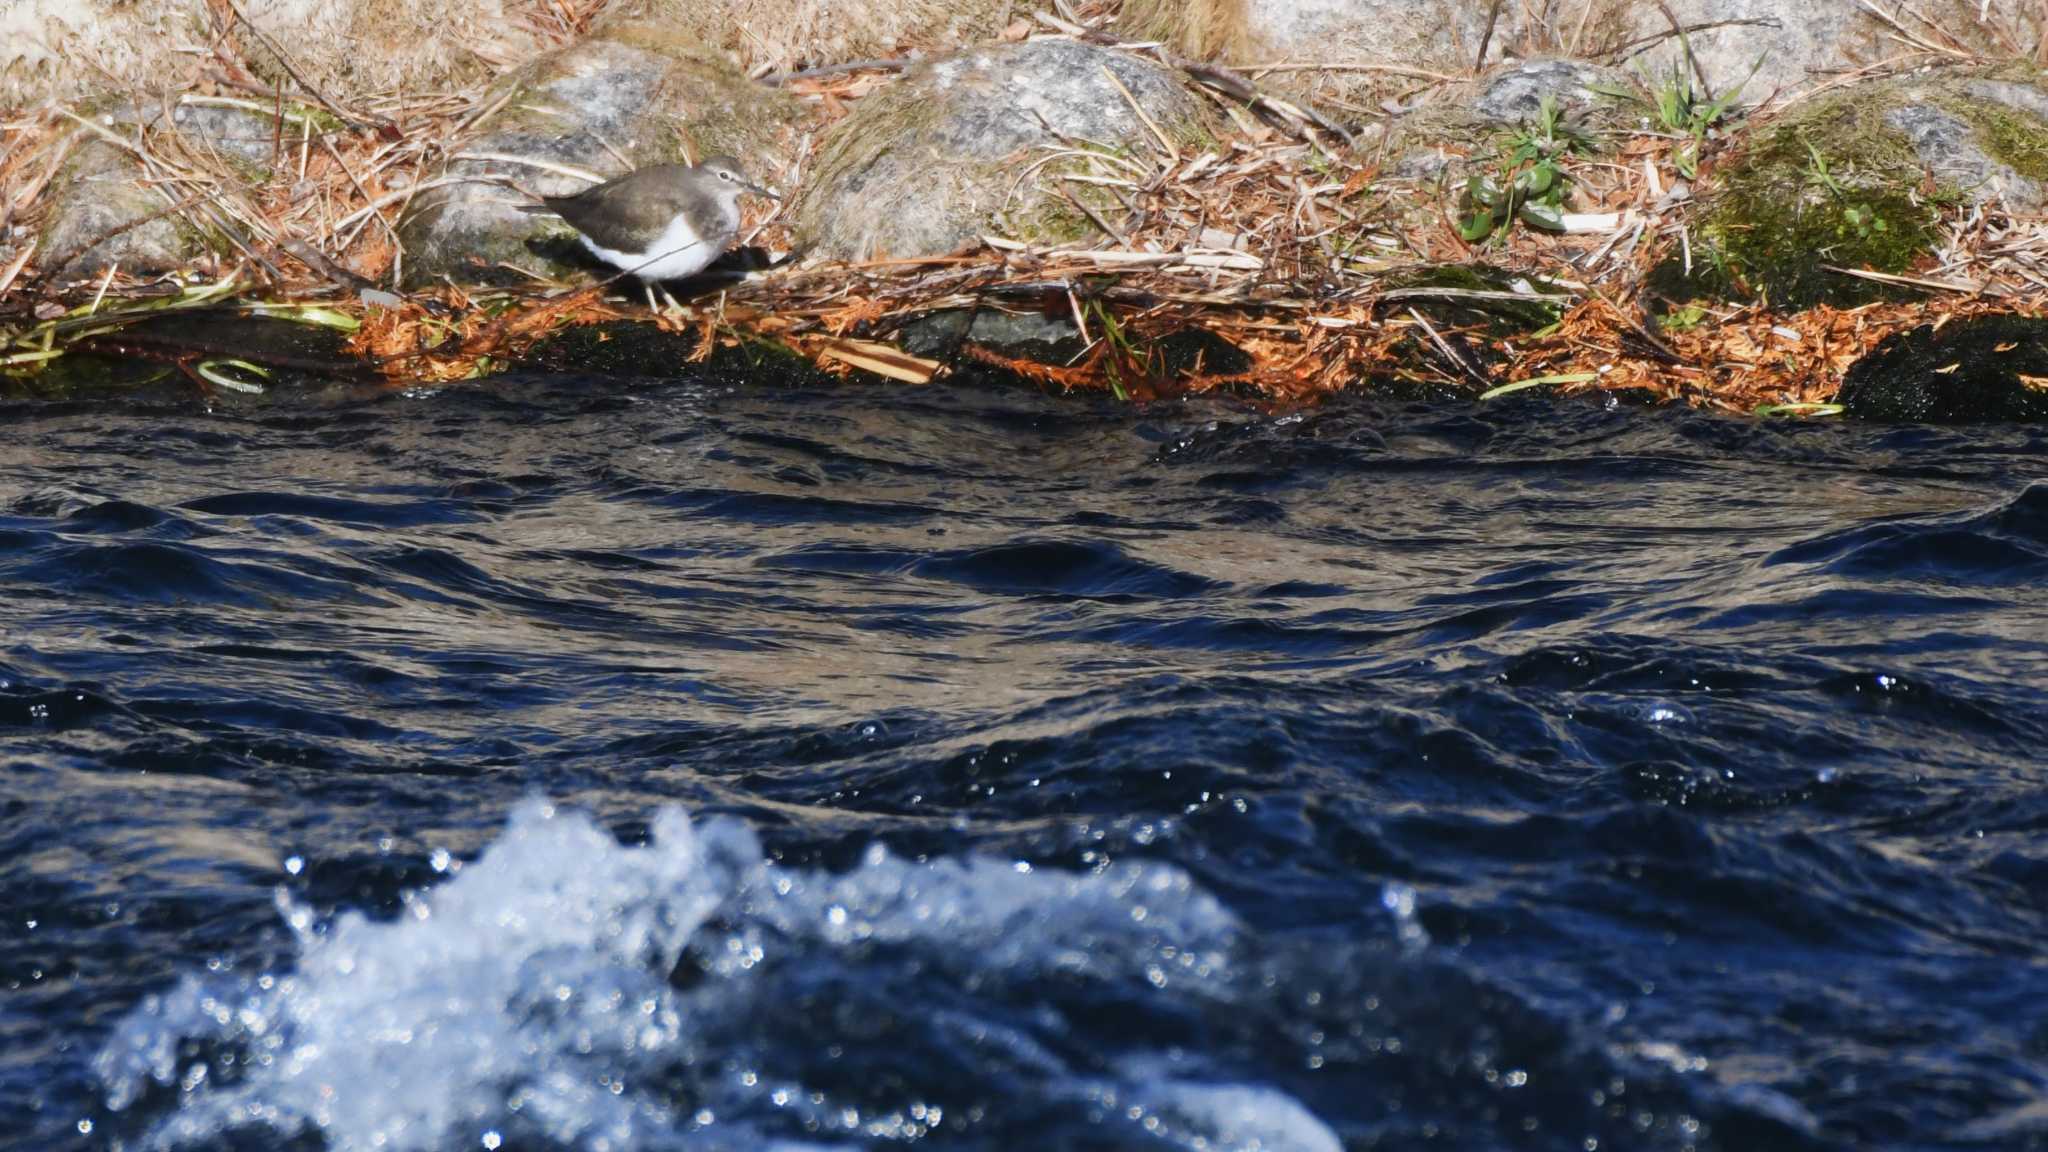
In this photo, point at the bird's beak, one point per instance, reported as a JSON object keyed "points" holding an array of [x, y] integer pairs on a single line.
{"points": [[757, 190]]}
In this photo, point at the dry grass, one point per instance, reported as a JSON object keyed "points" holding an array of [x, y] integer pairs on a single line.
{"points": [[786, 35], [1201, 29], [62, 49]]}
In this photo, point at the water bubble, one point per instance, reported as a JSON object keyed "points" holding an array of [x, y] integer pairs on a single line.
{"points": [[1399, 899], [294, 865]]}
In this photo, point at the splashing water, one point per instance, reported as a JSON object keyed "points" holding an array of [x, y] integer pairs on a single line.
{"points": [[570, 990]]}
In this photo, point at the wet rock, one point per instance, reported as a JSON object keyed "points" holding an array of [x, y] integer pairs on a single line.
{"points": [[1982, 370], [1852, 179], [1952, 150], [640, 91], [930, 163], [1036, 336]]}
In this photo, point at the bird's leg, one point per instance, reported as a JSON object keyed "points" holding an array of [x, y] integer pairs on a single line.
{"points": [[649, 290], [674, 309]]}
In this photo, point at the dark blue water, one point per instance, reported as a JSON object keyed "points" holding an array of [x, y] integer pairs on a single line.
{"points": [[592, 765]]}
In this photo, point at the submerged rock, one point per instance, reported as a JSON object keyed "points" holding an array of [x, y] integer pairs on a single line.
{"points": [[640, 92], [953, 149], [1982, 370]]}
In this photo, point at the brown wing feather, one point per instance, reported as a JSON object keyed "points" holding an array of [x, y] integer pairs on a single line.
{"points": [[625, 212]]}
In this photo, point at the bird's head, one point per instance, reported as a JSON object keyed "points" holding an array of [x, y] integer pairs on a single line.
{"points": [[731, 178]]}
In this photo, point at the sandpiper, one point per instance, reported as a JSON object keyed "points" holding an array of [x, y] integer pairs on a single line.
{"points": [[662, 222]]}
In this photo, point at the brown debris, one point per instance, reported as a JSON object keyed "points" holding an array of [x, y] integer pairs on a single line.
{"points": [[1283, 238]]}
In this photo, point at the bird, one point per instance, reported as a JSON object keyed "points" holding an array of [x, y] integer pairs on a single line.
{"points": [[662, 222]]}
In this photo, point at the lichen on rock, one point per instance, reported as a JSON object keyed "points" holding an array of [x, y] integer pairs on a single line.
{"points": [[955, 148]]}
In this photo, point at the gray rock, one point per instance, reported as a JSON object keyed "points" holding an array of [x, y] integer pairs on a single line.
{"points": [[1023, 335], [1785, 42], [1951, 148], [1516, 93], [2017, 97], [637, 92], [91, 224], [100, 190], [1793, 44], [944, 155], [1439, 33]]}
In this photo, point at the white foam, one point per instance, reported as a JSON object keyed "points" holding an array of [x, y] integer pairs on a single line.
{"points": [[531, 991]]}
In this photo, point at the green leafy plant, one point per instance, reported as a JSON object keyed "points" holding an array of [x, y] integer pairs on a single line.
{"points": [[1681, 108], [1858, 218], [1530, 184]]}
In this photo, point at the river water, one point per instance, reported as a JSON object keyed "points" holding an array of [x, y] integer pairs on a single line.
{"points": [[656, 765]]}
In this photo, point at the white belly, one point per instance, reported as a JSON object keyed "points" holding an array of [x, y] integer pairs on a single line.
{"points": [[676, 253]]}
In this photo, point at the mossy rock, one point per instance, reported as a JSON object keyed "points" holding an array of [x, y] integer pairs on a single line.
{"points": [[641, 91], [1979, 370], [952, 150], [1858, 179]]}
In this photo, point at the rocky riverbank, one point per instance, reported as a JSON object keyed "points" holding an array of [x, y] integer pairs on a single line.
{"points": [[1716, 202]]}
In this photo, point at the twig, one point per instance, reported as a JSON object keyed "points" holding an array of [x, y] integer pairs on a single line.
{"points": [[1966, 287], [14, 269], [1172, 153], [1486, 39], [777, 79], [1108, 229]]}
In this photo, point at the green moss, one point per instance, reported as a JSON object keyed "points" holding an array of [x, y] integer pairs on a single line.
{"points": [[2011, 137], [877, 125], [1776, 220]]}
